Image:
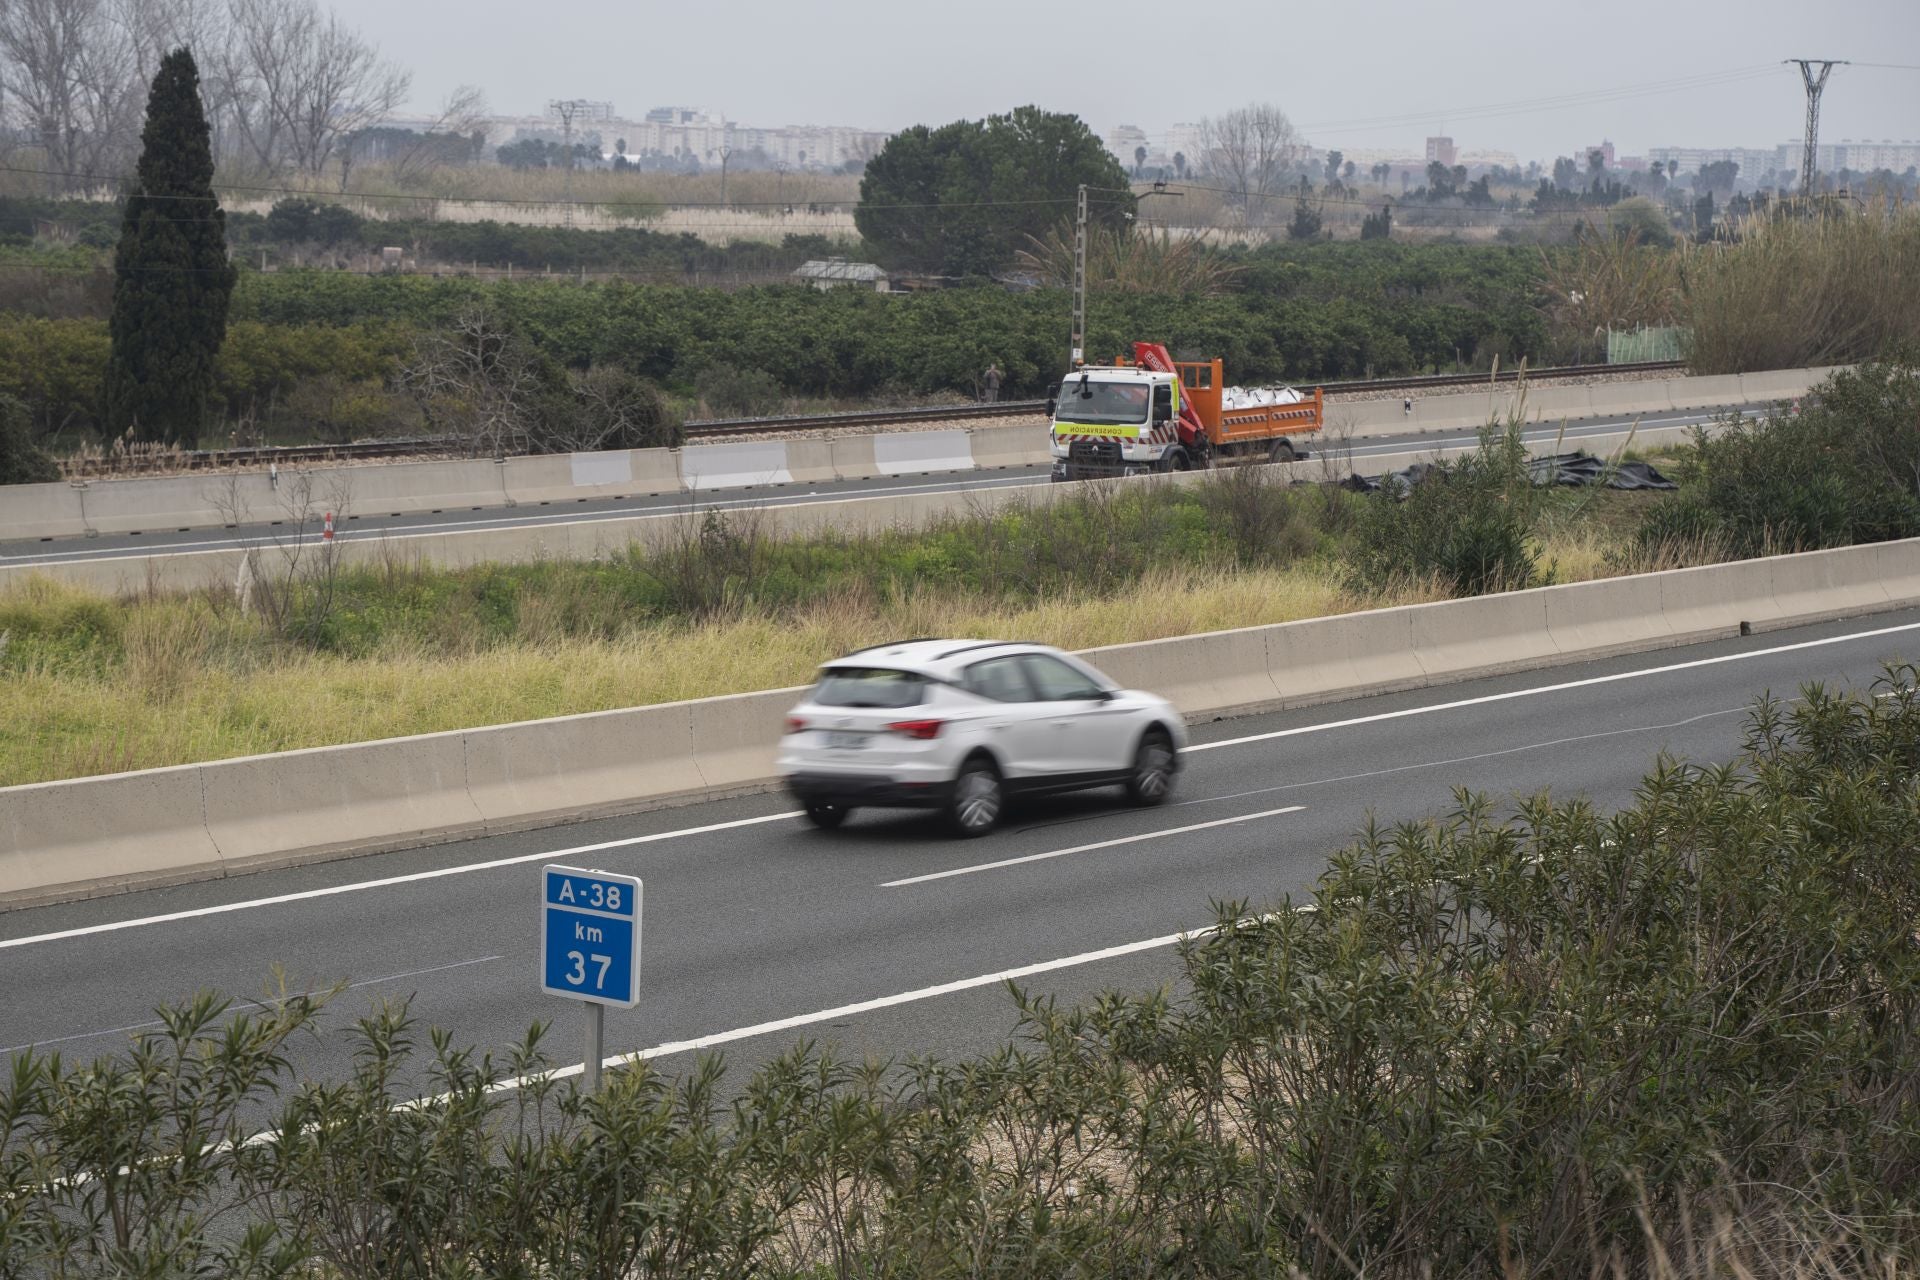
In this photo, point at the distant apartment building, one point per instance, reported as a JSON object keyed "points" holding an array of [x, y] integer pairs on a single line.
{"points": [[1755, 162], [700, 134], [1860, 155], [584, 112], [1482, 158], [1126, 141], [1606, 155], [1187, 139], [1442, 151]]}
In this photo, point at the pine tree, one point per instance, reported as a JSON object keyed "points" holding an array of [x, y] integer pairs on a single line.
{"points": [[172, 281]]}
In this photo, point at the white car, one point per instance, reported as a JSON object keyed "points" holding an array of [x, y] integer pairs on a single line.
{"points": [[963, 726]]}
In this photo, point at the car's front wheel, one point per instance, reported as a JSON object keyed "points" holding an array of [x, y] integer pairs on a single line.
{"points": [[1151, 781], [978, 797], [826, 816]]}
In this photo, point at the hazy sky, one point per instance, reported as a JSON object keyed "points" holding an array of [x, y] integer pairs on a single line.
{"points": [[1405, 68]]}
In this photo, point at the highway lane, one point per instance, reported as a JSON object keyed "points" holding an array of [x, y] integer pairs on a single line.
{"points": [[366, 523], [755, 921]]}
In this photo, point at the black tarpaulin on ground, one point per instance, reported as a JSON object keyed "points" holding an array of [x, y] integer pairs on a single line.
{"points": [[1572, 469]]}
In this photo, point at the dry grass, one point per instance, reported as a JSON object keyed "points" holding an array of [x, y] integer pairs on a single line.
{"points": [[1798, 291], [194, 684]]}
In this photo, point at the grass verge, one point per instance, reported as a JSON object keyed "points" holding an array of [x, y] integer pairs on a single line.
{"points": [[90, 685]]}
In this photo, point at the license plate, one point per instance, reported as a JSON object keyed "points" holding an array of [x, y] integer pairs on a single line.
{"points": [[846, 741]]}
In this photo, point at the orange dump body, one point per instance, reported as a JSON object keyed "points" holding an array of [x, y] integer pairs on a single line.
{"points": [[1203, 392]]}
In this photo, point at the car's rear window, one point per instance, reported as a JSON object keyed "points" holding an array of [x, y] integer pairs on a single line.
{"points": [[869, 687]]}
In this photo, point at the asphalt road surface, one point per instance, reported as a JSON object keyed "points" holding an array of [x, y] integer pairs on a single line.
{"points": [[887, 937], [123, 545]]}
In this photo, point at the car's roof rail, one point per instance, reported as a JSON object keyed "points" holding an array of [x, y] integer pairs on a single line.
{"points": [[983, 644], [893, 644]]}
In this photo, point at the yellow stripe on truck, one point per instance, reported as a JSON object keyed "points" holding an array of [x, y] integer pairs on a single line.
{"points": [[1095, 429]]}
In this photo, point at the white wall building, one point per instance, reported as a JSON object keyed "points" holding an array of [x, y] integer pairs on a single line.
{"points": [[699, 133]]}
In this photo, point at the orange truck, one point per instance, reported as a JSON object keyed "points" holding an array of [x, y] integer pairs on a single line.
{"points": [[1155, 413]]}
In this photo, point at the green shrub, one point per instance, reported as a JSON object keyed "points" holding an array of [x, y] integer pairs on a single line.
{"points": [[1468, 524], [732, 392], [21, 461], [54, 367], [1842, 469]]}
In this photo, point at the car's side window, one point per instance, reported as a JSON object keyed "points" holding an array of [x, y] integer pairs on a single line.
{"points": [[1000, 679], [1055, 681]]}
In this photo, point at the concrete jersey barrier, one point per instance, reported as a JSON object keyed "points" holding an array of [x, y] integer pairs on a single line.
{"points": [[98, 835]]}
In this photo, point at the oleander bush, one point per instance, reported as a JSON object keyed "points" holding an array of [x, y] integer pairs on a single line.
{"points": [[1840, 467], [1679, 1039], [1469, 523]]}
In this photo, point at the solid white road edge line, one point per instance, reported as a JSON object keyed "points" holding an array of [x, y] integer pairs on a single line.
{"points": [[870, 1006], [437, 873], [776, 817], [1590, 681], [1088, 848]]}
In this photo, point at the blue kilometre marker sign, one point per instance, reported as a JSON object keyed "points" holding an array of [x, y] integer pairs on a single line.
{"points": [[590, 936]]}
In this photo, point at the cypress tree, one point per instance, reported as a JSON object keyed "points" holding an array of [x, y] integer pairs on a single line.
{"points": [[172, 282]]}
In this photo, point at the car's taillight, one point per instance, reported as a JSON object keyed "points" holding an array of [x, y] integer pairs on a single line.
{"points": [[924, 730], [796, 725]]}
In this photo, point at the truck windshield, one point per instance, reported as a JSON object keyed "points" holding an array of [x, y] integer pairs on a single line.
{"points": [[1104, 403]]}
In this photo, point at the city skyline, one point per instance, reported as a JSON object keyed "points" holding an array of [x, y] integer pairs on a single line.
{"points": [[1515, 77]]}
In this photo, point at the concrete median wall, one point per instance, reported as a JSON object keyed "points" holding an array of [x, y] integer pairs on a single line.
{"points": [[100, 835], [41, 511]]}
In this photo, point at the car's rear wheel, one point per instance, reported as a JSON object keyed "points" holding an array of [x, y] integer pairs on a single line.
{"points": [[826, 816], [1151, 780], [978, 797]]}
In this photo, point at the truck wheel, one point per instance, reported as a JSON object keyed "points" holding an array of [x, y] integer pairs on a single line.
{"points": [[1283, 451], [1176, 460]]}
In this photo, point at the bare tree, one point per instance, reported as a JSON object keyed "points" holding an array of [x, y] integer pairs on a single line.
{"points": [[300, 81], [479, 383], [75, 73], [343, 85], [464, 111], [1250, 152], [612, 408]]}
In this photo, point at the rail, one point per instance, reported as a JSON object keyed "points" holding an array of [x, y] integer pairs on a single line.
{"points": [[721, 428]]}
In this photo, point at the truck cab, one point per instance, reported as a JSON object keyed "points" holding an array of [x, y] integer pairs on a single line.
{"points": [[1116, 421], [1153, 413]]}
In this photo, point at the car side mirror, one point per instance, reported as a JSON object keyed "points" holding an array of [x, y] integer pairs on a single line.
{"points": [[1162, 413]]}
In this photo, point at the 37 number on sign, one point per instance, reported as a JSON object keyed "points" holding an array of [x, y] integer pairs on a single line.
{"points": [[578, 974]]}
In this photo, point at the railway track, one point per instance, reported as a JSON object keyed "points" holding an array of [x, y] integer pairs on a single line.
{"points": [[720, 428]]}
